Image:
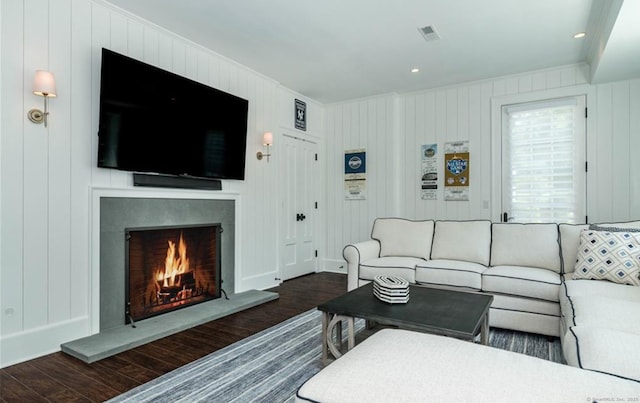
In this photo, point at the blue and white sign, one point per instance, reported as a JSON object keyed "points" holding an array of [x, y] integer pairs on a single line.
{"points": [[355, 174], [355, 162]]}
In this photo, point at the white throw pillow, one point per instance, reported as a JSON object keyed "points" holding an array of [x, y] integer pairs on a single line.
{"points": [[469, 241], [613, 256], [400, 237]]}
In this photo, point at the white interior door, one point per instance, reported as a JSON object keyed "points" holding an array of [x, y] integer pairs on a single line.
{"points": [[299, 206]]}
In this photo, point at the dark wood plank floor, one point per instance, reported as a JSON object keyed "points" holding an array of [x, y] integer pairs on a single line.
{"points": [[62, 378]]}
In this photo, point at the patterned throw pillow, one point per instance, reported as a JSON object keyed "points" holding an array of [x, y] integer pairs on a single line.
{"points": [[613, 256]]}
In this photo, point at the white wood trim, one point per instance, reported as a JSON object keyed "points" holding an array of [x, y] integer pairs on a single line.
{"points": [[33, 343]]}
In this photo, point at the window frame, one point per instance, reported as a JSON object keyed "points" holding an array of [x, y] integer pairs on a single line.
{"points": [[497, 104]]}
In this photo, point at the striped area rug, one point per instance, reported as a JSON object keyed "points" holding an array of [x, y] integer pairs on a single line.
{"points": [[271, 365]]}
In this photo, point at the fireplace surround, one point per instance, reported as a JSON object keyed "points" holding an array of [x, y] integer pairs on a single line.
{"points": [[117, 214], [115, 209]]}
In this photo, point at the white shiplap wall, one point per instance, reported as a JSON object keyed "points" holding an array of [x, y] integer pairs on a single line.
{"points": [[369, 124], [614, 177], [48, 174], [463, 112]]}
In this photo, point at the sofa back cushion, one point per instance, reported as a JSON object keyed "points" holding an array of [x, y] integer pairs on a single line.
{"points": [[462, 240], [569, 243], [400, 237], [529, 245]]}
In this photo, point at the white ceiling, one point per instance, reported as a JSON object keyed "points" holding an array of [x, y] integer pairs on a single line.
{"points": [[335, 50]]}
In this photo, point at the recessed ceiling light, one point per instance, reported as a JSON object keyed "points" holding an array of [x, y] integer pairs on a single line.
{"points": [[415, 70], [580, 35]]}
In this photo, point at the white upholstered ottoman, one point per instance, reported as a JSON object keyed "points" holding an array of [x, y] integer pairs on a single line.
{"points": [[404, 366]]}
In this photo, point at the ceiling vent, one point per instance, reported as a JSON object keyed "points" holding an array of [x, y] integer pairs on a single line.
{"points": [[429, 33]]}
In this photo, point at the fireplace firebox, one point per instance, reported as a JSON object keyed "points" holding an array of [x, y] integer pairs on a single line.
{"points": [[170, 267]]}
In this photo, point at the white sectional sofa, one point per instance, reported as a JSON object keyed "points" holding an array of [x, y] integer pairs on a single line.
{"points": [[529, 268]]}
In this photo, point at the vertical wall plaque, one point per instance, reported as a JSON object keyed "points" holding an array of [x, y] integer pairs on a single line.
{"points": [[456, 170], [355, 174], [429, 179], [301, 115]]}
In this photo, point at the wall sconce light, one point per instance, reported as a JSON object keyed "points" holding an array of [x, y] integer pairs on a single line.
{"points": [[44, 85], [267, 140]]}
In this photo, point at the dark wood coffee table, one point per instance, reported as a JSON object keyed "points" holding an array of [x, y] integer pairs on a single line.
{"points": [[458, 314]]}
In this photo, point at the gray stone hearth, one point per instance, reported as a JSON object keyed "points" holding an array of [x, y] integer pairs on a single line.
{"points": [[121, 338]]}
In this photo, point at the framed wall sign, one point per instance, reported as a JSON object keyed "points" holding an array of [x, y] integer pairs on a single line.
{"points": [[429, 179], [355, 174], [301, 115], [456, 170]]}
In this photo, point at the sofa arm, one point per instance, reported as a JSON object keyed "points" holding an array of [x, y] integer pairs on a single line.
{"points": [[356, 253]]}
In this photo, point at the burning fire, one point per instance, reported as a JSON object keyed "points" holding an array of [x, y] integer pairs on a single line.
{"points": [[174, 265]]}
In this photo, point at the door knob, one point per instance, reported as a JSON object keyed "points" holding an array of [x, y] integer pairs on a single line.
{"points": [[300, 217]]}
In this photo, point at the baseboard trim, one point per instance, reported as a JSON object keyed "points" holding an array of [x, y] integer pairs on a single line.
{"points": [[334, 266], [30, 344]]}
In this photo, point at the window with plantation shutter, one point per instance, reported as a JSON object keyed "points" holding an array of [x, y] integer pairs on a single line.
{"points": [[543, 160]]}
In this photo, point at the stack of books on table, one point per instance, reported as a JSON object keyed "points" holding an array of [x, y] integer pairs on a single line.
{"points": [[391, 289]]}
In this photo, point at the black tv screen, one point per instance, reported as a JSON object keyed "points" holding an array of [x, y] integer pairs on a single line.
{"points": [[152, 120]]}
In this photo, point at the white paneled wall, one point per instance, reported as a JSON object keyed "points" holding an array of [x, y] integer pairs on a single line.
{"points": [[615, 179], [47, 174], [368, 124], [463, 112]]}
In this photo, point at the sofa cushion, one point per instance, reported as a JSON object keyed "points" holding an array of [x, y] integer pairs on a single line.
{"points": [[569, 244], [531, 282], [599, 302], [606, 312], [575, 288], [400, 237], [604, 350], [576, 291], [612, 256], [529, 245], [451, 273], [404, 267], [462, 240]]}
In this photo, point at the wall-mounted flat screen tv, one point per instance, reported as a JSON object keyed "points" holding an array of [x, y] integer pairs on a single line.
{"points": [[152, 120]]}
